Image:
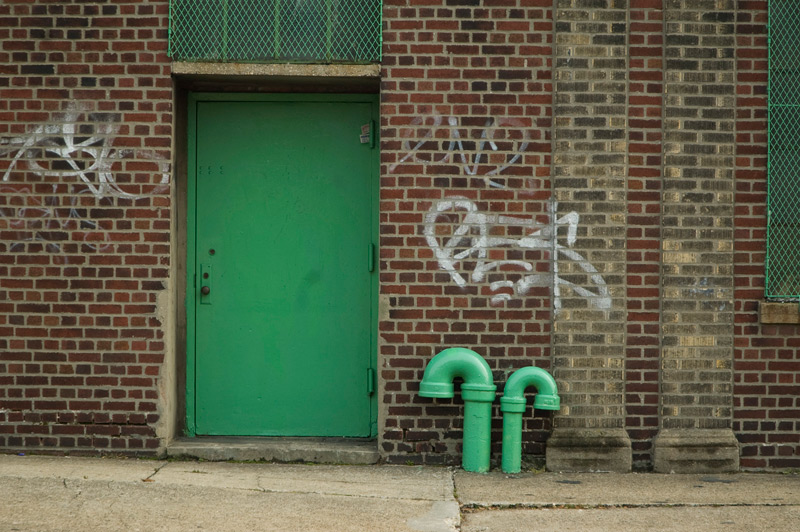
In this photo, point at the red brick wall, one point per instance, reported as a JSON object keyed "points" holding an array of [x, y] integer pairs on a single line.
{"points": [[767, 365], [644, 188], [466, 119], [439, 99], [86, 126], [469, 164]]}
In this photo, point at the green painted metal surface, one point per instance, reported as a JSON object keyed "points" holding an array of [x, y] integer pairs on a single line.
{"points": [[282, 210], [783, 174], [307, 31], [477, 391], [512, 404]]}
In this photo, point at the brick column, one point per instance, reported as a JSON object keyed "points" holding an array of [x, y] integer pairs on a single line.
{"points": [[589, 170], [697, 259], [765, 365], [644, 186]]}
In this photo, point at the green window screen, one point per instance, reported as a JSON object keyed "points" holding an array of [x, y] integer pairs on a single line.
{"points": [[268, 31], [783, 174]]}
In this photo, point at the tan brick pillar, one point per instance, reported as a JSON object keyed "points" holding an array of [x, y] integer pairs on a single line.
{"points": [[589, 169], [697, 219]]}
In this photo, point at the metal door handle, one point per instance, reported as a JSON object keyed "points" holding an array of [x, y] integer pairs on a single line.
{"points": [[205, 284]]}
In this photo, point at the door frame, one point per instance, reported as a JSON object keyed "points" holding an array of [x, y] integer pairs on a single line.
{"points": [[191, 230]]}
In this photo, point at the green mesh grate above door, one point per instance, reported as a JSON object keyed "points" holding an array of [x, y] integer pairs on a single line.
{"points": [[783, 226], [270, 31]]}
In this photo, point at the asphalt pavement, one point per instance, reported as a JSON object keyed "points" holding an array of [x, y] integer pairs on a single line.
{"points": [[47, 493]]}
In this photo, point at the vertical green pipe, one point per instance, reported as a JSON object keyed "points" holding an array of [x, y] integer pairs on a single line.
{"points": [[478, 392], [512, 404], [512, 435], [512, 449], [477, 428]]}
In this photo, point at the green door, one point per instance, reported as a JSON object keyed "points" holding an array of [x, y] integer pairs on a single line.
{"points": [[281, 254]]}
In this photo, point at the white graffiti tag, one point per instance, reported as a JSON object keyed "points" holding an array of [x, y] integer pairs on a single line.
{"points": [[471, 238], [34, 218], [82, 149], [443, 140]]}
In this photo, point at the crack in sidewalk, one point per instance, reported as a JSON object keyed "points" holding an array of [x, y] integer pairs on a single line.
{"points": [[470, 508], [149, 478]]}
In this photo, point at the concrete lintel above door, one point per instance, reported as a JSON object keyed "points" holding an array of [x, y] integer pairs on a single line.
{"points": [[275, 69], [253, 77]]}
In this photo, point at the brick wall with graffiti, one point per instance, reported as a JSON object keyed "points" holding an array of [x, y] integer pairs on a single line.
{"points": [[581, 186], [469, 224], [85, 221], [578, 185]]}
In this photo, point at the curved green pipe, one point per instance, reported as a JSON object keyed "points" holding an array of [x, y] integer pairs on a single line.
{"points": [[512, 404], [437, 381], [478, 392]]}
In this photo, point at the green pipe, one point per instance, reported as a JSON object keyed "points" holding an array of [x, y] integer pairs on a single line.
{"points": [[512, 404], [478, 392]]}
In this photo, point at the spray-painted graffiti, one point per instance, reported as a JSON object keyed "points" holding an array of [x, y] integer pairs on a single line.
{"points": [[470, 237], [443, 140], [45, 218], [73, 157], [78, 145], [463, 238]]}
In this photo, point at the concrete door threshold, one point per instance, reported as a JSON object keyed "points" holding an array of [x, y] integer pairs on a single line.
{"points": [[317, 450]]}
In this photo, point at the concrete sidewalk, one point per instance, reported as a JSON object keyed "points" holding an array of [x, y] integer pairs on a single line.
{"points": [[39, 493]]}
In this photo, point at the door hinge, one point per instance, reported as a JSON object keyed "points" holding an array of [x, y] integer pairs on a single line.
{"points": [[370, 381], [371, 257]]}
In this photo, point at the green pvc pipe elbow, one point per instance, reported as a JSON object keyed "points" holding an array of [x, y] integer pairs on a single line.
{"points": [[437, 381], [478, 392], [512, 404]]}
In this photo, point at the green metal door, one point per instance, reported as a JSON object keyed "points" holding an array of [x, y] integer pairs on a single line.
{"points": [[281, 255]]}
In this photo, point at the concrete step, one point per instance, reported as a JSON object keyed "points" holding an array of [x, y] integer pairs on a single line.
{"points": [[317, 450]]}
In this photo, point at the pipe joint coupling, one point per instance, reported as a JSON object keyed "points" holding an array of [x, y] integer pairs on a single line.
{"points": [[512, 404], [547, 402], [479, 393], [436, 389]]}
